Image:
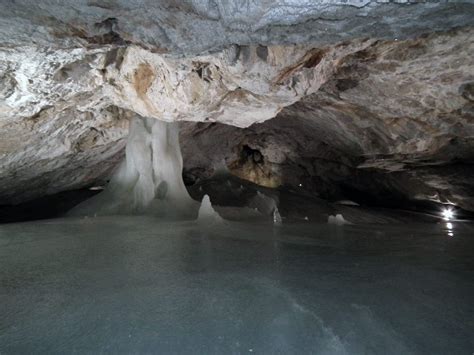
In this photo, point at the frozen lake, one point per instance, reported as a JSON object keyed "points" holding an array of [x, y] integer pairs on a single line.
{"points": [[140, 285]]}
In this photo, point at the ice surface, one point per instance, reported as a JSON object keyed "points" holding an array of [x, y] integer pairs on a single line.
{"points": [[138, 284], [150, 178]]}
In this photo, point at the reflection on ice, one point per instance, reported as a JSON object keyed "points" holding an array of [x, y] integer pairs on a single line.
{"points": [[449, 227]]}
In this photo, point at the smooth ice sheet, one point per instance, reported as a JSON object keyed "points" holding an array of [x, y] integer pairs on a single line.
{"points": [[142, 285]]}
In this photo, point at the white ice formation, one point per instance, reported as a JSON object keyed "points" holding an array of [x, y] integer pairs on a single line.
{"points": [[276, 217], [149, 180], [207, 214], [338, 220]]}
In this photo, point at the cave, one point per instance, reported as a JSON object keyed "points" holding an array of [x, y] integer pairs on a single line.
{"points": [[214, 176]]}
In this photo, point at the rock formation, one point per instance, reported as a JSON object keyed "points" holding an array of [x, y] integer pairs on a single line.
{"points": [[343, 98], [394, 117]]}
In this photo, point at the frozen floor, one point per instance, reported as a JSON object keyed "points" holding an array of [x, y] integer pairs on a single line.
{"points": [[138, 285]]}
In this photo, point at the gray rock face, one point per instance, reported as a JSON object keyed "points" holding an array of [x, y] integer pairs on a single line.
{"points": [[358, 88], [395, 121], [197, 26], [56, 151]]}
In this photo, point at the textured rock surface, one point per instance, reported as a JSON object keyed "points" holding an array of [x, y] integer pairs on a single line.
{"points": [[195, 26], [239, 86], [57, 151], [73, 73], [53, 133], [394, 121]]}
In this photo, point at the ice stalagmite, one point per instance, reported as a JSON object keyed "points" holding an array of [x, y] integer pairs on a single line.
{"points": [[149, 180], [277, 217], [338, 220], [207, 214]]}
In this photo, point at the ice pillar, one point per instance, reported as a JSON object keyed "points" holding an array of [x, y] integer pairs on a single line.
{"points": [[149, 180]]}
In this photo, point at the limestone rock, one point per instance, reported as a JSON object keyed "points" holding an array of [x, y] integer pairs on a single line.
{"points": [[356, 86], [197, 26], [394, 120]]}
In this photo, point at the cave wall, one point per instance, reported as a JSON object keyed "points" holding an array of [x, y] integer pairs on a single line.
{"points": [[393, 124], [357, 88], [190, 27]]}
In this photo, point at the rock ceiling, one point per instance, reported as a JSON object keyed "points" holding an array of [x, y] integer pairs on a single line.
{"points": [[369, 86]]}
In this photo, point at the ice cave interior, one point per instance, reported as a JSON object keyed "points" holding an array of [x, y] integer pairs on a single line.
{"points": [[236, 176]]}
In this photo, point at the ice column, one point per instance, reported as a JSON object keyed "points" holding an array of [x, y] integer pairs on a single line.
{"points": [[149, 180]]}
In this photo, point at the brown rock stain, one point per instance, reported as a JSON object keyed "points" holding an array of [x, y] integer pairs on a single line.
{"points": [[142, 79], [310, 60], [252, 166]]}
